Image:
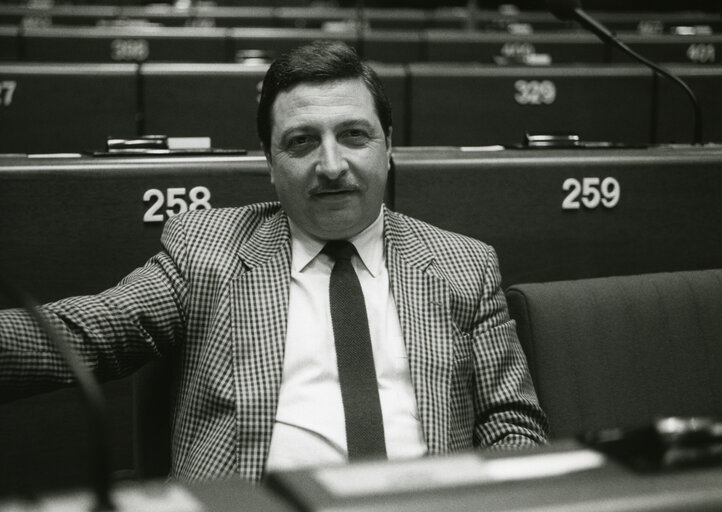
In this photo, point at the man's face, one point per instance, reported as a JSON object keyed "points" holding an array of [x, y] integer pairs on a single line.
{"points": [[329, 157]]}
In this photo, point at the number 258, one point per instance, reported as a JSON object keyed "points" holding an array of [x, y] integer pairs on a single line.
{"points": [[175, 201]]}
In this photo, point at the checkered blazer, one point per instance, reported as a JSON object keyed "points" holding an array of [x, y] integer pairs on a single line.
{"points": [[217, 299]]}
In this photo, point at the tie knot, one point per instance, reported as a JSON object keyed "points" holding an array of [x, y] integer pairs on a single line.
{"points": [[339, 249]]}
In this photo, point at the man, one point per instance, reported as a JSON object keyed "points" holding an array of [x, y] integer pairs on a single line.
{"points": [[244, 299]]}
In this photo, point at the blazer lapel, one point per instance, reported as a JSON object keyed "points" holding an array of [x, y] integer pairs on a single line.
{"points": [[259, 297], [422, 301]]}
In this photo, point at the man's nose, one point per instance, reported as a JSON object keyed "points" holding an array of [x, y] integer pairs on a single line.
{"points": [[331, 162]]}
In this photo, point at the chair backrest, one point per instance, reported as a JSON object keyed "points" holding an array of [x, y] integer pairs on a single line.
{"points": [[623, 351]]}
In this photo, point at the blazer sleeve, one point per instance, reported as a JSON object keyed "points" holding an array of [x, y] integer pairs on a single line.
{"points": [[114, 332], [505, 402]]}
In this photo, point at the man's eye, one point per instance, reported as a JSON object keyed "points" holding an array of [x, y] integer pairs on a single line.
{"points": [[299, 140], [355, 136], [299, 143]]}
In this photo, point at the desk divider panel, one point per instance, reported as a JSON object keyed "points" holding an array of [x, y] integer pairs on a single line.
{"points": [[569, 214], [125, 44], [65, 107], [392, 46], [272, 42], [209, 100], [9, 44], [220, 101], [672, 48], [655, 22], [77, 226], [70, 15], [480, 105], [486, 47], [233, 16]]}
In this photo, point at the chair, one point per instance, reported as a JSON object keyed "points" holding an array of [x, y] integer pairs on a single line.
{"points": [[620, 352]]}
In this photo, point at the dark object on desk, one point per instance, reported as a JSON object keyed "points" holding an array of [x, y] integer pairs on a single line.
{"points": [[553, 140], [669, 443], [148, 145], [566, 141]]}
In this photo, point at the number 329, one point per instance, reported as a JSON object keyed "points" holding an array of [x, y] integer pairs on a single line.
{"points": [[590, 193]]}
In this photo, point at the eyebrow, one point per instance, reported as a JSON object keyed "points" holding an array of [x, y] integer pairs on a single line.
{"points": [[304, 127], [357, 122]]}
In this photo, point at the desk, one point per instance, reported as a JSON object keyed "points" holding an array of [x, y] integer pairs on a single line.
{"points": [[667, 217], [483, 47], [605, 487], [49, 107], [474, 104], [124, 44]]}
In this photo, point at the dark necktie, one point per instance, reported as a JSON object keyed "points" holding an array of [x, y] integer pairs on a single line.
{"points": [[354, 356]]}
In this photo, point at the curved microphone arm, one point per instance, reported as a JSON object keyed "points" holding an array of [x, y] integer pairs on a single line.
{"points": [[605, 35], [90, 389]]}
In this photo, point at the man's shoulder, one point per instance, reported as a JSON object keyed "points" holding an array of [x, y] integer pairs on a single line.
{"points": [[230, 216], [237, 223], [439, 241], [466, 262]]}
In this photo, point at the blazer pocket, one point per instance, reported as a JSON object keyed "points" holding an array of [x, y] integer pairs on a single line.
{"points": [[462, 369], [461, 399]]}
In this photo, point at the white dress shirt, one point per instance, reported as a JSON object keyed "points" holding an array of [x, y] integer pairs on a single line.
{"points": [[309, 428]]}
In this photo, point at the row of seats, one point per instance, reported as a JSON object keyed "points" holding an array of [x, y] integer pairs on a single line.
{"points": [[550, 214], [214, 44], [198, 15], [74, 107]]}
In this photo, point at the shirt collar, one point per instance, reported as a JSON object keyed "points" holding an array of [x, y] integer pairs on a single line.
{"points": [[368, 243]]}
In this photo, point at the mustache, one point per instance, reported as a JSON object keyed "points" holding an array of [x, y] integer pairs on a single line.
{"points": [[330, 187]]}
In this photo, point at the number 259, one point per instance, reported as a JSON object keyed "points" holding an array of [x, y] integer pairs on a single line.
{"points": [[591, 192]]}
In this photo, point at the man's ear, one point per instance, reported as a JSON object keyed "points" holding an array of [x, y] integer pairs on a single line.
{"points": [[388, 145]]}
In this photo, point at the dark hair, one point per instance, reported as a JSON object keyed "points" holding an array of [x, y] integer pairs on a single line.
{"points": [[317, 62]]}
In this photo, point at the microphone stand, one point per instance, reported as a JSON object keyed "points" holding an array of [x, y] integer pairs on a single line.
{"points": [[606, 36], [92, 394]]}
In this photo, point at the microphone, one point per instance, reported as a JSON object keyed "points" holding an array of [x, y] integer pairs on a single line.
{"points": [[571, 10], [90, 390]]}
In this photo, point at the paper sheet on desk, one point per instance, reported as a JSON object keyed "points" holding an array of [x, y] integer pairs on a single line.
{"points": [[442, 472], [160, 497]]}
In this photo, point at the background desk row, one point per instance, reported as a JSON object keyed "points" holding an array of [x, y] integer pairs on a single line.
{"points": [[294, 13], [75, 107], [215, 44]]}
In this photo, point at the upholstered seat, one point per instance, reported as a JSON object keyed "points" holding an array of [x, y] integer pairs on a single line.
{"points": [[623, 351]]}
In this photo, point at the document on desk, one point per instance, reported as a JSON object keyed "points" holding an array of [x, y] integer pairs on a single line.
{"points": [[442, 472], [432, 483]]}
